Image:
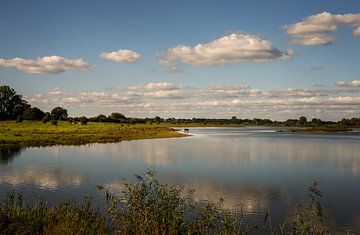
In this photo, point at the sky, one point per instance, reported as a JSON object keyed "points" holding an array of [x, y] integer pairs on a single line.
{"points": [[275, 59]]}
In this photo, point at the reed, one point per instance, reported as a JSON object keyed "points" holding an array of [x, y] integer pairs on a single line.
{"points": [[148, 207]]}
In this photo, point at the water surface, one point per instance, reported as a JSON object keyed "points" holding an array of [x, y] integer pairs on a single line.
{"points": [[254, 168]]}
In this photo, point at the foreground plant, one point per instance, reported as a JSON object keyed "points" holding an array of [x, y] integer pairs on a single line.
{"points": [[17, 217], [148, 207]]}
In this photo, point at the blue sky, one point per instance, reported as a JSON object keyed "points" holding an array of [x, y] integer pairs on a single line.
{"points": [[290, 71]]}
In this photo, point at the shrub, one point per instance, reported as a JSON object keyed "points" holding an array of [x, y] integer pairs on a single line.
{"points": [[33, 114], [54, 122], [59, 113], [83, 120], [148, 207], [70, 217], [19, 119], [46, 119]]}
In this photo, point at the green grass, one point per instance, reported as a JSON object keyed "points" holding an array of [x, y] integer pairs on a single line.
{"points": [[30, 133], [318, 129], [148, 207]]}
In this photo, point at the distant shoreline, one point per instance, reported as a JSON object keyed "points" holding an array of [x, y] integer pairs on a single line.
{"points": [[37, 134], [317, 129]]}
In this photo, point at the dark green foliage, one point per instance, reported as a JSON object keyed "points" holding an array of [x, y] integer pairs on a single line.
{"points": [[46, 118], [54, 122], [99, 118], [11, 104], [19, 119], [34, 114], [117, 117], [83, 120], [59, 113]]}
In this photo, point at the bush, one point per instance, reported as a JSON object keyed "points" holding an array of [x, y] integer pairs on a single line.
{"points": [[33, 114], [83, 120], [46, 119], [19, 119], [59, 113], [16, 217], [54, 122]]}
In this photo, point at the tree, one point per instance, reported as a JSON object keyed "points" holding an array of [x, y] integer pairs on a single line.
{"points": [[117, 117], [11, 104], [59, 113], [46, 118], [302, 120], [158, 119], [33, 114], [83, 120], [101, 118]]}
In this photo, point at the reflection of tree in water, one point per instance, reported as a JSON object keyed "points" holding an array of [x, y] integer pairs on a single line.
{"points": [[8, 154]]}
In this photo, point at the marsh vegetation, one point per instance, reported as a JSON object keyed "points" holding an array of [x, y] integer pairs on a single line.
{"points": [[149, 207]]}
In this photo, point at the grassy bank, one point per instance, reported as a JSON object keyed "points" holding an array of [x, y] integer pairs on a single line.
{"points": [[148, 207], [29, 133], [318, 129]]}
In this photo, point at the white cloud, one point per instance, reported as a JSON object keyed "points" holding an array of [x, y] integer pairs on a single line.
{"points": [[153, 86], [354, 83], [295, 92], [215, 101], [356, 32], [317, 29], [127, 56], [230, 49], [164, 86], [46, 64], [171, 94]]}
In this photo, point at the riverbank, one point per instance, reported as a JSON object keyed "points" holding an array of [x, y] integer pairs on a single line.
{"points": [[31, 134]]}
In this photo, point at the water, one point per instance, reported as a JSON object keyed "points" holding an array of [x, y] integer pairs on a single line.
{"points": [[255, 169]]}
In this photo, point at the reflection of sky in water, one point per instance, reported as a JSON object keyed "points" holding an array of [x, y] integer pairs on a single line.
{"points": [[50, 178], [253, 168]]}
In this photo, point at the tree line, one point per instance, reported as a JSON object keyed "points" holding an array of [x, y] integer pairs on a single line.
{"points": [[14, 107]]}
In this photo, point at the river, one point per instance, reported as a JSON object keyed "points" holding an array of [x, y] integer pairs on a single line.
{"points": [[255, 169]]}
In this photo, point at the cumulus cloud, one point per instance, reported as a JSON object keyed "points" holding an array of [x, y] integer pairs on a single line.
{"points": [[122, 56], [153, 86], [46, 64], [230, 49], [227, 91], [170, 94], [317, 29], [272, 103], [181, 100], [295, 92], [164, 86], [354, 83]]}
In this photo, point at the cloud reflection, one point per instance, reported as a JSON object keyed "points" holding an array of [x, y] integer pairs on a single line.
{"points": [[50, 178]]}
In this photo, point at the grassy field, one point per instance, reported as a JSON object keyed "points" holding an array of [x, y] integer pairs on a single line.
{"points": [[30, 133]]}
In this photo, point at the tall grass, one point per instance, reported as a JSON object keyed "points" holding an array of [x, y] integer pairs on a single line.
{"points": [[148, 207]]}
